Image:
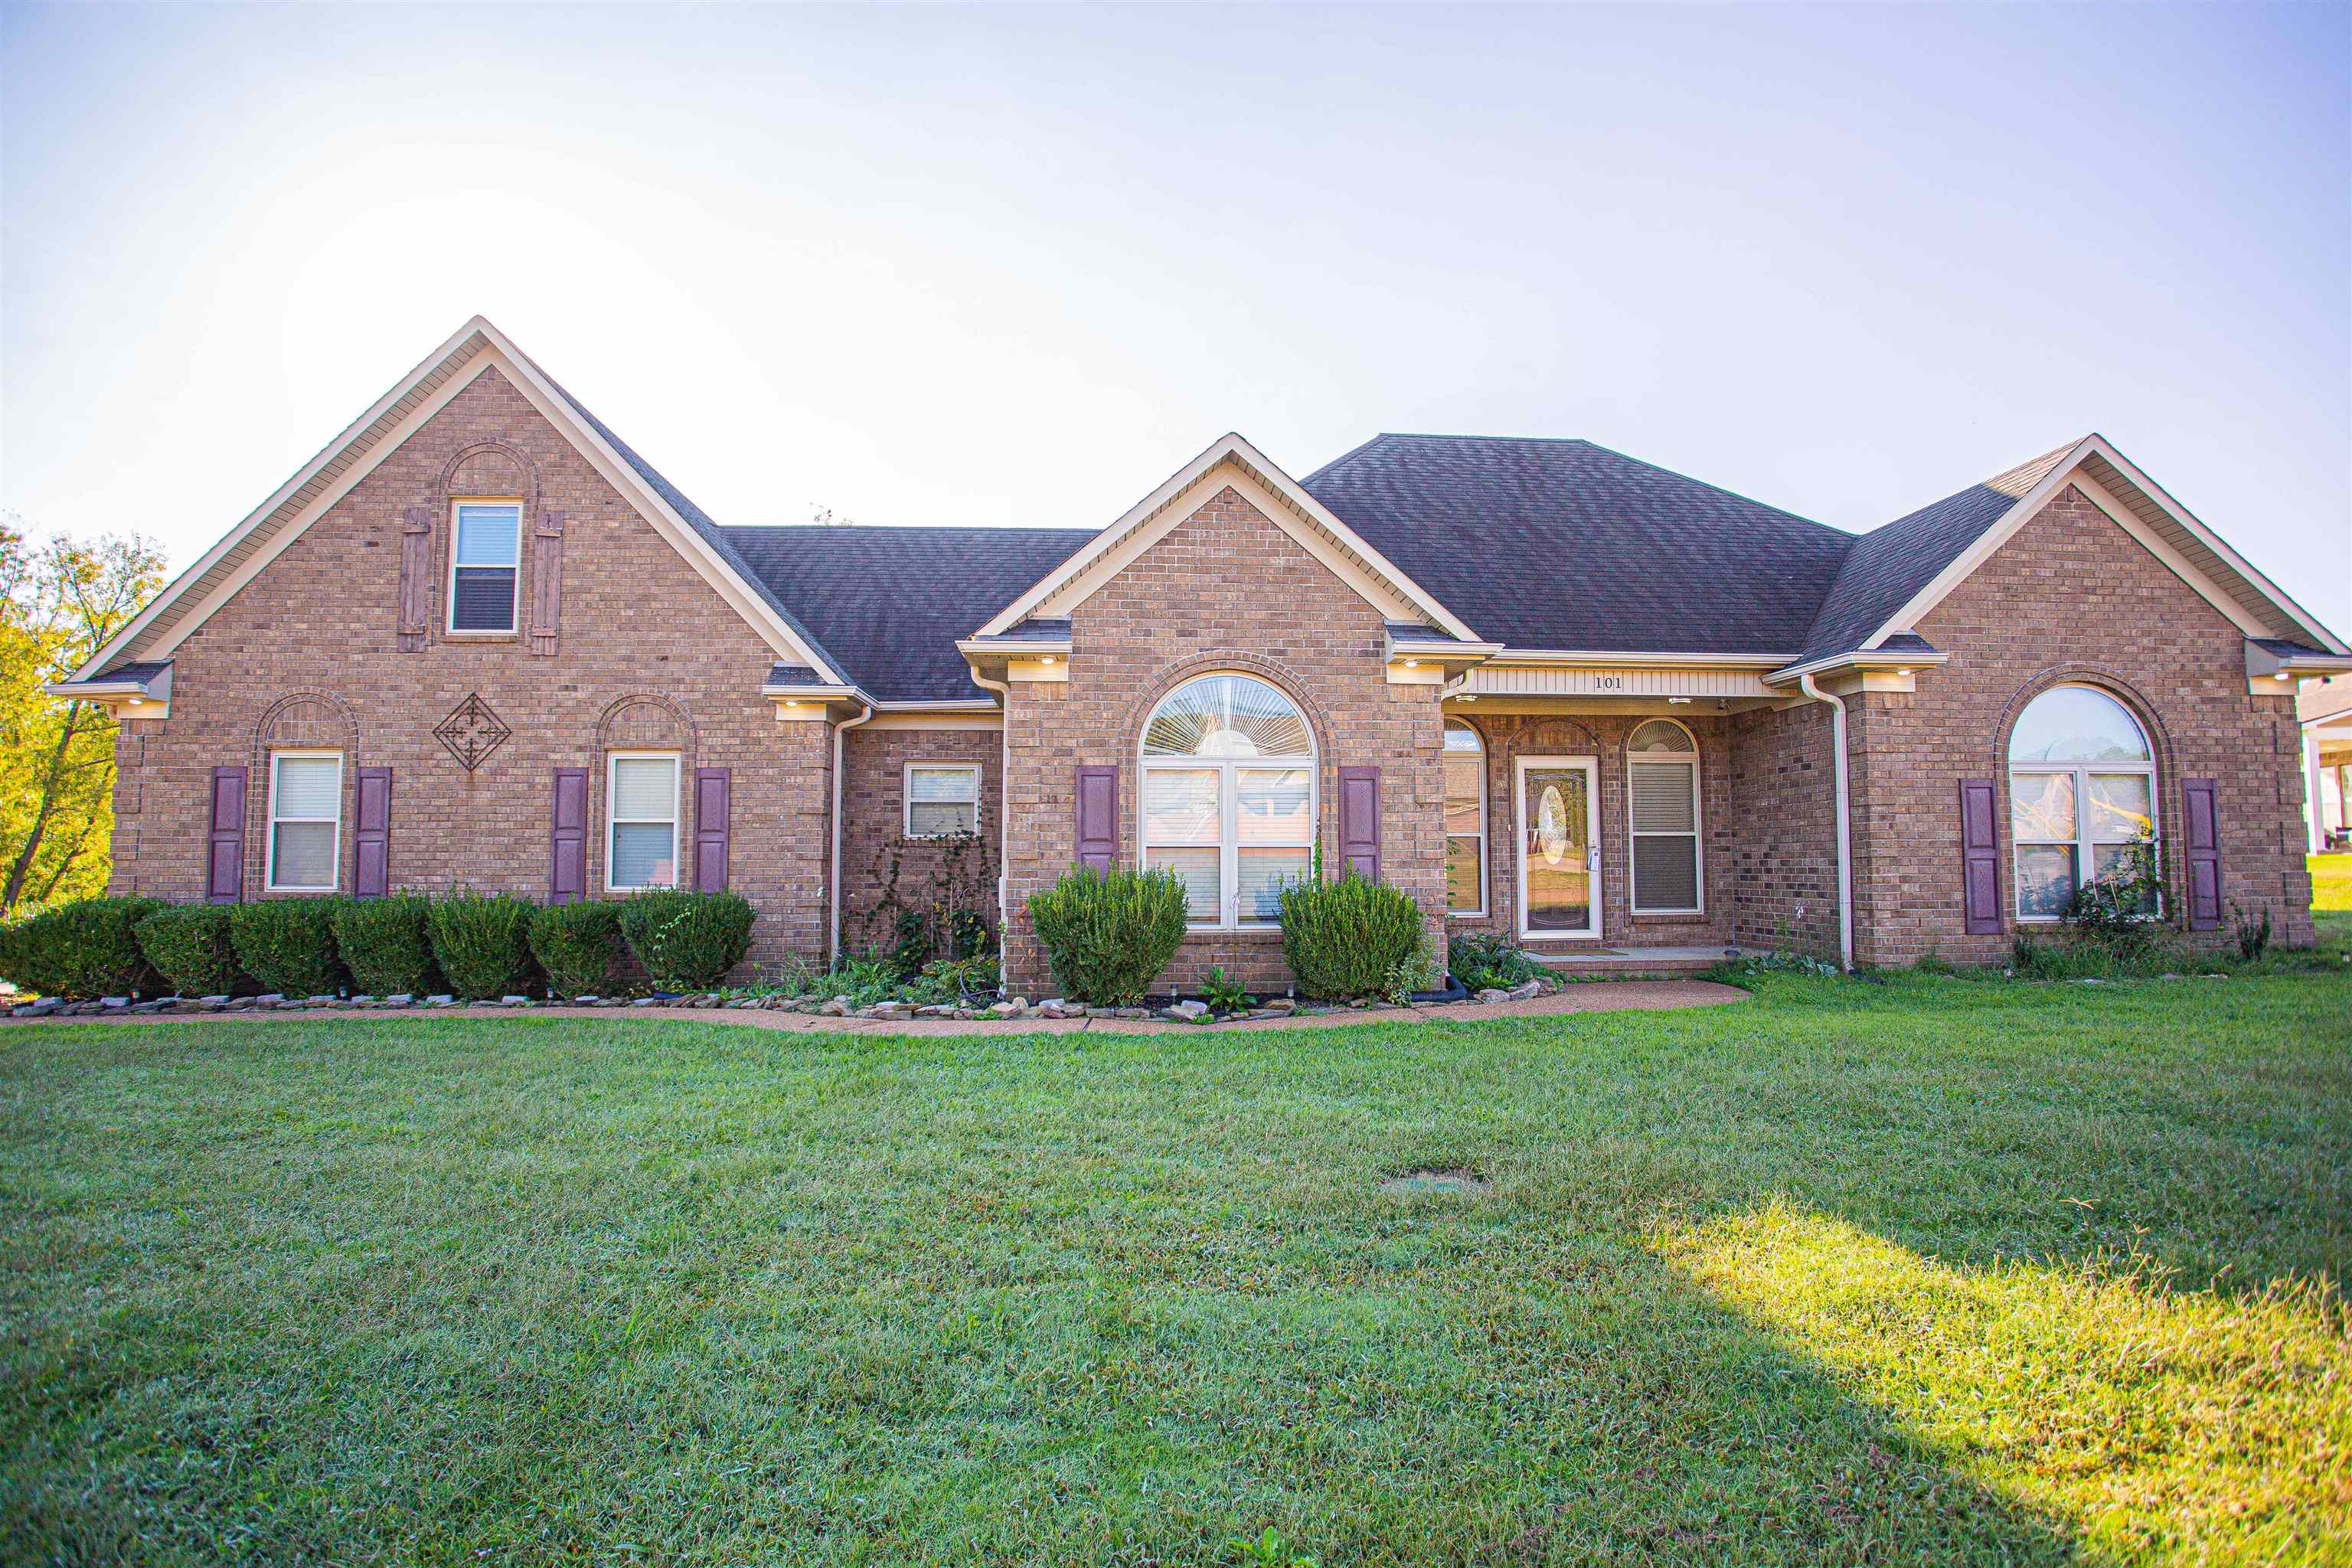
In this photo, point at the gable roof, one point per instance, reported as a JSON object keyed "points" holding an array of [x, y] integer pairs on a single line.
{"points": [[1563, 546]]}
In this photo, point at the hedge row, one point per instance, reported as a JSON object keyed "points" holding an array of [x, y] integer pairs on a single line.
{"points": [[469, 944]]}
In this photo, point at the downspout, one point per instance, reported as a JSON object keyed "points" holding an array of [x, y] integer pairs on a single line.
{"points": [[1844, 831], [834, 948], [1004, 689]]}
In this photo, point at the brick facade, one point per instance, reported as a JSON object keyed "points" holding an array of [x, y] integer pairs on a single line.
{"points": [[873, 771]]}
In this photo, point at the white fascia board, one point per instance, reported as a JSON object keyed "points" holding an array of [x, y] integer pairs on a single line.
{"points": [[1010, 648], [2260, 662], [1866, 658]]}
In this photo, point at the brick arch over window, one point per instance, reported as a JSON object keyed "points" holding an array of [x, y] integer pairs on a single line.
{"points": [[486, 469], [309, 721], [645, 722], [490, 468], [2168, 802], [1281, 677]]}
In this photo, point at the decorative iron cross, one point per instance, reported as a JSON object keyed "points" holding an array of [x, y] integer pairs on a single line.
{"points": [[472, 731]]}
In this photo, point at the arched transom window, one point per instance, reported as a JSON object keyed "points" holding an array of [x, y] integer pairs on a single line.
{"points": [[2082, 795], [1661, 811], [1465, 820], [1228, 797]]}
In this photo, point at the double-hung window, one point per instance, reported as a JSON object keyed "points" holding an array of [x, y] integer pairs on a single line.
{"points": [[1662, 807], [1465, 820], [943, 799], [485, 566], [2081, 797], [1228, 797], [641, 821], [305, 822]]}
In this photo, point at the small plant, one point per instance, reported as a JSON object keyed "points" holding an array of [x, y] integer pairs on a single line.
{"points": [[1418, 972], [2252, 935], [1109, 933], [1489, 961], [577, 946], [1344, 938], [87, 948], [686, 941], [1267, 1552], [792, 976], [482, 941], [288, 945], [861, 980], [1223, 994], [385, 944], [189, 946]]}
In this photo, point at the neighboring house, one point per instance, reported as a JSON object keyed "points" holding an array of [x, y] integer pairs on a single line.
{"points": [[2325, 710], [1545, 689]]}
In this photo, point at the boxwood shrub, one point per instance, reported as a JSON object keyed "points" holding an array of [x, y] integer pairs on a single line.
{"points": [[84, 949], [189, 946], [1343, 938], [686, 941], [577, 944], [385, 944], [482, 942], [287, 944], [1110, 934]]}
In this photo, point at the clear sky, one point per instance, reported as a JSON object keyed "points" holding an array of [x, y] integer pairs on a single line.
{"points": [[989, 266]]}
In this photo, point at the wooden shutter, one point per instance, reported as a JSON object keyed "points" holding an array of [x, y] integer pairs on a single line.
{"points": [[2201, 808], [415, 577], [1359, 822], [568, 835], [1098, 818], [372, 835], [1980, 856], [546, 581], [225, 843], [711, 828]]}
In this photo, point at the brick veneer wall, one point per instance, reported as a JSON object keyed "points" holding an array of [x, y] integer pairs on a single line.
{"points": [[874, 764], [1226, 589], [1784, 892], [2071, 597], [305, 653]]}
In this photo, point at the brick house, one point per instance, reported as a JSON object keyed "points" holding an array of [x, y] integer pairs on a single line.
{"points": [[1546, 690]]}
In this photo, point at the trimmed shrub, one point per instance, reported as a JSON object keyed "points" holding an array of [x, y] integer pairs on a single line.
{"points": [[189, 946], [577, 946], [287, 944], [386, 945], [84, 949], [482, 942], [1343, 938], [686, 941], [1110, 934]]}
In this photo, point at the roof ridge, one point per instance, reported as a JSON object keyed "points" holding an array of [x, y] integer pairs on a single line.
{"points": [[903, 528]]}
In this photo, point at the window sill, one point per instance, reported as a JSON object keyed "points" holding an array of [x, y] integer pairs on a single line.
{"points": [[455, 636], [302, 893], [1247, 933], [1678, 917]]}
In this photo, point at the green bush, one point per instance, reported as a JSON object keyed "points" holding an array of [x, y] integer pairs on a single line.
{"points": [[189, 946], [1343, 938], [84, 949], [686, 941], [1485, 960], [386, 944], [482, 942], [288, 945], [577, 946], [1110, 934]]}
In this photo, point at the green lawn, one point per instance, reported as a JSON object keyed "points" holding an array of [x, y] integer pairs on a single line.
{"points": [[2331, 884], [1935, 1271]]}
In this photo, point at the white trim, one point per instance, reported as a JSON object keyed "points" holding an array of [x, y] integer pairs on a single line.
{"points": [[613, 819], [1591, 767], [906, 797], [1228, 841], [449, 585], [990, 721], [1486, 852], [269, 883], [1696, 835]]}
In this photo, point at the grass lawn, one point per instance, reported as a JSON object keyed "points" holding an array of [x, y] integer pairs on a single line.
{"points": [[1935, 1271], [2331, 884]]}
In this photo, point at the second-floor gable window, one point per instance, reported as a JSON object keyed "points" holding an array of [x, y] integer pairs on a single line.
{"points": [[484, 565]]}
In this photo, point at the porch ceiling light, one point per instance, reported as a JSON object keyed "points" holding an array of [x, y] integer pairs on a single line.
{"points": [[1902, 672], [1413, 664], [1679, 701], [1048, 659]]}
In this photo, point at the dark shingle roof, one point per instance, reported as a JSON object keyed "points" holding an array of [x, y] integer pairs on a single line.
{"points": [[1564, 544], [890, 603], [143, 669]]}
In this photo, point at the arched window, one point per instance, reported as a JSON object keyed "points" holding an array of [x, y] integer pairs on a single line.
{"points": [[1661, 818], [2081, 795], [1228, 797], [1465, 820]]}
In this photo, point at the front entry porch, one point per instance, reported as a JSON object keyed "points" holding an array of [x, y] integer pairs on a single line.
{"points": [[1590, 962]]}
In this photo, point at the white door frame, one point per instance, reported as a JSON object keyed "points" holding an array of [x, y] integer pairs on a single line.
{"points": [[1591, 768]]}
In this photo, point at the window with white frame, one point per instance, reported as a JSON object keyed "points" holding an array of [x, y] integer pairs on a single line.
{"points": [[485, 566], [1228, 797], [1663, 817], [2082, 796], [641, 821], [943, 799], [305, 822], [1465, 820]]}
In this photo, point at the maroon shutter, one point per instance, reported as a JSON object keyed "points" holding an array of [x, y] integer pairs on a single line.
{"points": [[569, 835], [1359, 822], [1980, 856], [416, 576], [1098, 818], [225, 844], [546, 581], [711, 828], [371, 840], [2198, 802]]}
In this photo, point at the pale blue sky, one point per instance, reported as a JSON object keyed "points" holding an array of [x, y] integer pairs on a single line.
{"points": [[994, 266]]}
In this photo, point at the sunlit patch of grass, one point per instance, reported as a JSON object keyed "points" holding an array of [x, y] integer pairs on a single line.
{"points": [[2161, 1423], [2331, 883]]}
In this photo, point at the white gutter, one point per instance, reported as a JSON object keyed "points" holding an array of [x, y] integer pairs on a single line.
{"points": [[1004, 690], [839, 730], [1844, 831]]}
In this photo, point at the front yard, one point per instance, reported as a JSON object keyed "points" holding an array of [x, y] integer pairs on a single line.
{"points": [[1927, 1270]]}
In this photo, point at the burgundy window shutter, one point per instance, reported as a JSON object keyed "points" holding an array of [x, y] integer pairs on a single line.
{"points": [[1980, 856], [225, 843], [371, 838], [1098, 818], [1359, 822], [2200, 804], [568, 834], [546, 581], [416, 576], [711, 828]]}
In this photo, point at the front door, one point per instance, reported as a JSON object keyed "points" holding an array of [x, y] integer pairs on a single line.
{"points": [[1559, 854]]}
